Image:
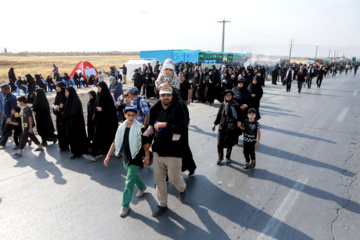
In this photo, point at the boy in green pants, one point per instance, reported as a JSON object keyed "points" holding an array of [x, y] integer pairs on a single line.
{"points": [[129, 135]]}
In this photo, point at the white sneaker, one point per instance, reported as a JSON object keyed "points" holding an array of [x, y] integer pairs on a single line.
{"points": [[17, 154], [124, 211], [140, 193], [89, 157]]}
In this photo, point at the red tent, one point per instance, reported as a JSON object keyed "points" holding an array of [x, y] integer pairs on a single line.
{"points": [[86, 68]]}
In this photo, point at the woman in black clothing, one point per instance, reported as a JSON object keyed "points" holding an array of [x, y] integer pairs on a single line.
{"points": [[243, 98], [44, 124], [50, 83], [195, 87], [40, 83], [83, 80], [73, 116], [150, 84], [21, 84], [31, 87], [90, 113], [256, 93], [210, 90], [59, 105], [227, 119], [202, 86], [92, 80], [105, 122], [67, 79], [12, 79], [76, 80]]}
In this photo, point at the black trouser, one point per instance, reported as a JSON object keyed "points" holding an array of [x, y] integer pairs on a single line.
{"points": [[56, 76], [221, 152], [319, 80], [355, 70], [288, 85], [17, 135], [309, 81], [346, 70], [25, 136], [249, 151], [300, 83], [274, 80]]}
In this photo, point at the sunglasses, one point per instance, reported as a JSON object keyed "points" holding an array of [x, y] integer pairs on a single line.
{"points": [[165, 95]]}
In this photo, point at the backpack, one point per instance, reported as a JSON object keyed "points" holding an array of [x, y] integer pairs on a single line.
{"points": [[138, 105]]}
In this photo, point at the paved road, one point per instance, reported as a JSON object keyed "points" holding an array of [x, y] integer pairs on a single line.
{"points": [[305, 185]]}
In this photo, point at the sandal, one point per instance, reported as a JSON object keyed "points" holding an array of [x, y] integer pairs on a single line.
{"points": [[246, 166], [253, 164]]}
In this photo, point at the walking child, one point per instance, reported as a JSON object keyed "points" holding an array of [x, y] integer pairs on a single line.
{"points": [[15, 120], [129, 136], [252, 134], [28, 124]]}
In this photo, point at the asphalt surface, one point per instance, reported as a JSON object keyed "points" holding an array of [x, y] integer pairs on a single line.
{"points": [[305, 184]]}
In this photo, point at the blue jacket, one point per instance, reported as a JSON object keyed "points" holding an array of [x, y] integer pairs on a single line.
{"points": [[9, 102], [118, 89]]}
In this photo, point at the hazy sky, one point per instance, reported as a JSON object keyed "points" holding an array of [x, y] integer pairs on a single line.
{"points": [[78, 25]]}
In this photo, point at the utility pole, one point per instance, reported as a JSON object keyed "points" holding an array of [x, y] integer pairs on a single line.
{"points": [[223, 33], [316, 51], [291, 44]]}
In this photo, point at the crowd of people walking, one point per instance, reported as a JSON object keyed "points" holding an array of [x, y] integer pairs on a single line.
{"points": [[126, 124]]}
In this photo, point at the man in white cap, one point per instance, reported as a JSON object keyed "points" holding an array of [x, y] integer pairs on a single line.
{"points": [[169, 124]]}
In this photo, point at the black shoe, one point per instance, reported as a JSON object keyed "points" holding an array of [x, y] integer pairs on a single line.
{"points": [[218, 162], [29, 143], [44, 144], [182, 196], [158, 211]]}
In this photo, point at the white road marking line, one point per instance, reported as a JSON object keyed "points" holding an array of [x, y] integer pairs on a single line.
{"points": [[355, 93], [281, 213], [343, 114]]}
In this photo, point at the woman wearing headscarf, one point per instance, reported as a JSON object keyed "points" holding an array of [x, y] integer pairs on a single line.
{"points": [[76, 80], [73, 116], [256, 93], [58, 109], [31, 86], [150, 84], [195, 87], [44, 124], [105, 122], [50, 83], [12, 79], [67, 79], [21, 84], [210, 89], [227, 119], [90, 113], [39, 82], [243, 98]]}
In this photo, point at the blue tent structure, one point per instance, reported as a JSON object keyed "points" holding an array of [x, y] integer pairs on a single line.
{"points": [[197, 56]]}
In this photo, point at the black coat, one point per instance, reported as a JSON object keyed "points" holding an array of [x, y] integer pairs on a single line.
{"points": [[228, 137], [105, 121], [75, 133], [44, 124]]}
